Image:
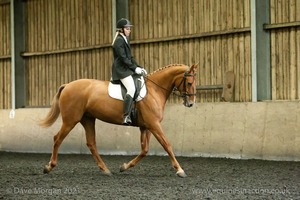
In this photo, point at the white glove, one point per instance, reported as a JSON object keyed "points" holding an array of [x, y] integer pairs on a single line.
{"points": [[140, 71]]}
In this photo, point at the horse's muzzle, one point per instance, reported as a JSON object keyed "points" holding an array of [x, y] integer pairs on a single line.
{"points": [[188, 104]]}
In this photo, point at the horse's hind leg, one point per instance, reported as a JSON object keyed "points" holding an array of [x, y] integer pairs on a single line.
{"points": [[89, 125], [58, 139], [145, 139]]}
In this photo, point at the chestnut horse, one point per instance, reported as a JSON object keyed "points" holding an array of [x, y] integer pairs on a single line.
{"points": [[86, 100]]}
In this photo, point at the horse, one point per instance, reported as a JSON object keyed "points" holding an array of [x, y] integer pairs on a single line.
{"points": [[85, 100]]}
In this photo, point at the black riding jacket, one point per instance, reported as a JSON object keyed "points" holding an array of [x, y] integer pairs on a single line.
{"points": [[124, 64]]}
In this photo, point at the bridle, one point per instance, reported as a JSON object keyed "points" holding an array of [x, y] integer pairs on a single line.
{"points": [[184, 94]]}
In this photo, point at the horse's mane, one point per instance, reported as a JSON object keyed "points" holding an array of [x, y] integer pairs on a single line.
{"points": [[165, 67]]}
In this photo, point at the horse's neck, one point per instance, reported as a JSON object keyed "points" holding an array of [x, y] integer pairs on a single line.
{"points": [[165, 80]]}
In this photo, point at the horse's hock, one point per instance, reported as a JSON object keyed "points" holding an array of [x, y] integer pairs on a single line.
{"points": [[263, 130]]}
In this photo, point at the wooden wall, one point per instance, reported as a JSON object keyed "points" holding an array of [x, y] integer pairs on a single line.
{"points": [[285, 50], [71, 39], [5, 57], [66, 40], [214, 33]]}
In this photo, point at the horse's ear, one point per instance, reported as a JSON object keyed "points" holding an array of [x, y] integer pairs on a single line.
{"points": [[194, 67]]}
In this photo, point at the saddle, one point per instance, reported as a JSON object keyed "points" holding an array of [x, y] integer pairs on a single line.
{"points": [[118, 91]]}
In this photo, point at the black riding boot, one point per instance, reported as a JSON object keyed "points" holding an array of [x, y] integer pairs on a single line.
{"points": [[127, 109]]}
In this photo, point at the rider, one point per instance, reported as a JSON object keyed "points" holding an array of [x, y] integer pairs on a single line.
{"points": [[124, 65]]}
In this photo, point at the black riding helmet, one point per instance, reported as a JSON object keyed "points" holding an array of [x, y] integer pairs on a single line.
{"points": [[122, 23]]}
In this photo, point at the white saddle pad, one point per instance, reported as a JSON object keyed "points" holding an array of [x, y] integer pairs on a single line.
{"points": [[114, 90]]}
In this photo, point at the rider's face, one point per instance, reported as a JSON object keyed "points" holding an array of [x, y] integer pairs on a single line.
{"points": [[127, 31]]}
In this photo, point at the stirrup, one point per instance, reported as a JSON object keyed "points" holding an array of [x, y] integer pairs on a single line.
{"points": [[127, 120]]}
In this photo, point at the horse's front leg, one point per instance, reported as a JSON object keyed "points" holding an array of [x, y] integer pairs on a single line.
{"points": [[160, 136], [145, 139]]}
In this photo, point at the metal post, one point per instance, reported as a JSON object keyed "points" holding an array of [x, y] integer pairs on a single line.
{"points": [[122, 9], [260, 51], [18, 70], [13, 87]]}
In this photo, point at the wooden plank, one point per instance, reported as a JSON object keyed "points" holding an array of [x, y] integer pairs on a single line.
{"points": [[298, 62], [292, 47], [285, 50], [235, 13], [52, 46], [210, 87], [86, 48], [8, 85], [62, 51], [30, 25], [44, 25], [279, 49], [297, 8], [38, 19], [273, 51], [202, 66], [97, 22], [47, 82], [138, 17], [228, 87], [3, 104], [2, 38], [5, 86], [237, 69], [92, 25], [89, 26], [55, 21], [144, 17], [242, 67], [5, 57], [36, 92], [84, 24], [66, 29], [293, 24], [248, 65], [206, 50], [108, 20], [49, 24], [247, 17]]}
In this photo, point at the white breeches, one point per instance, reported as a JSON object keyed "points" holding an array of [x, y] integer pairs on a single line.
{"points": [[129, 85]]}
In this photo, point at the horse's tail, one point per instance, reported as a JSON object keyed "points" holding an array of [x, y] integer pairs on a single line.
{"points": [[54, 110]]}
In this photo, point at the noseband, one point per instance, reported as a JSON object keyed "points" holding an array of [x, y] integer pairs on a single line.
{"points": [[184, 94]]}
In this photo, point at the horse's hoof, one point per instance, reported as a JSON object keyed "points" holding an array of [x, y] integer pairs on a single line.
{"points": [[181, 174], [46, 169], [123, 168], [108, 173]]}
